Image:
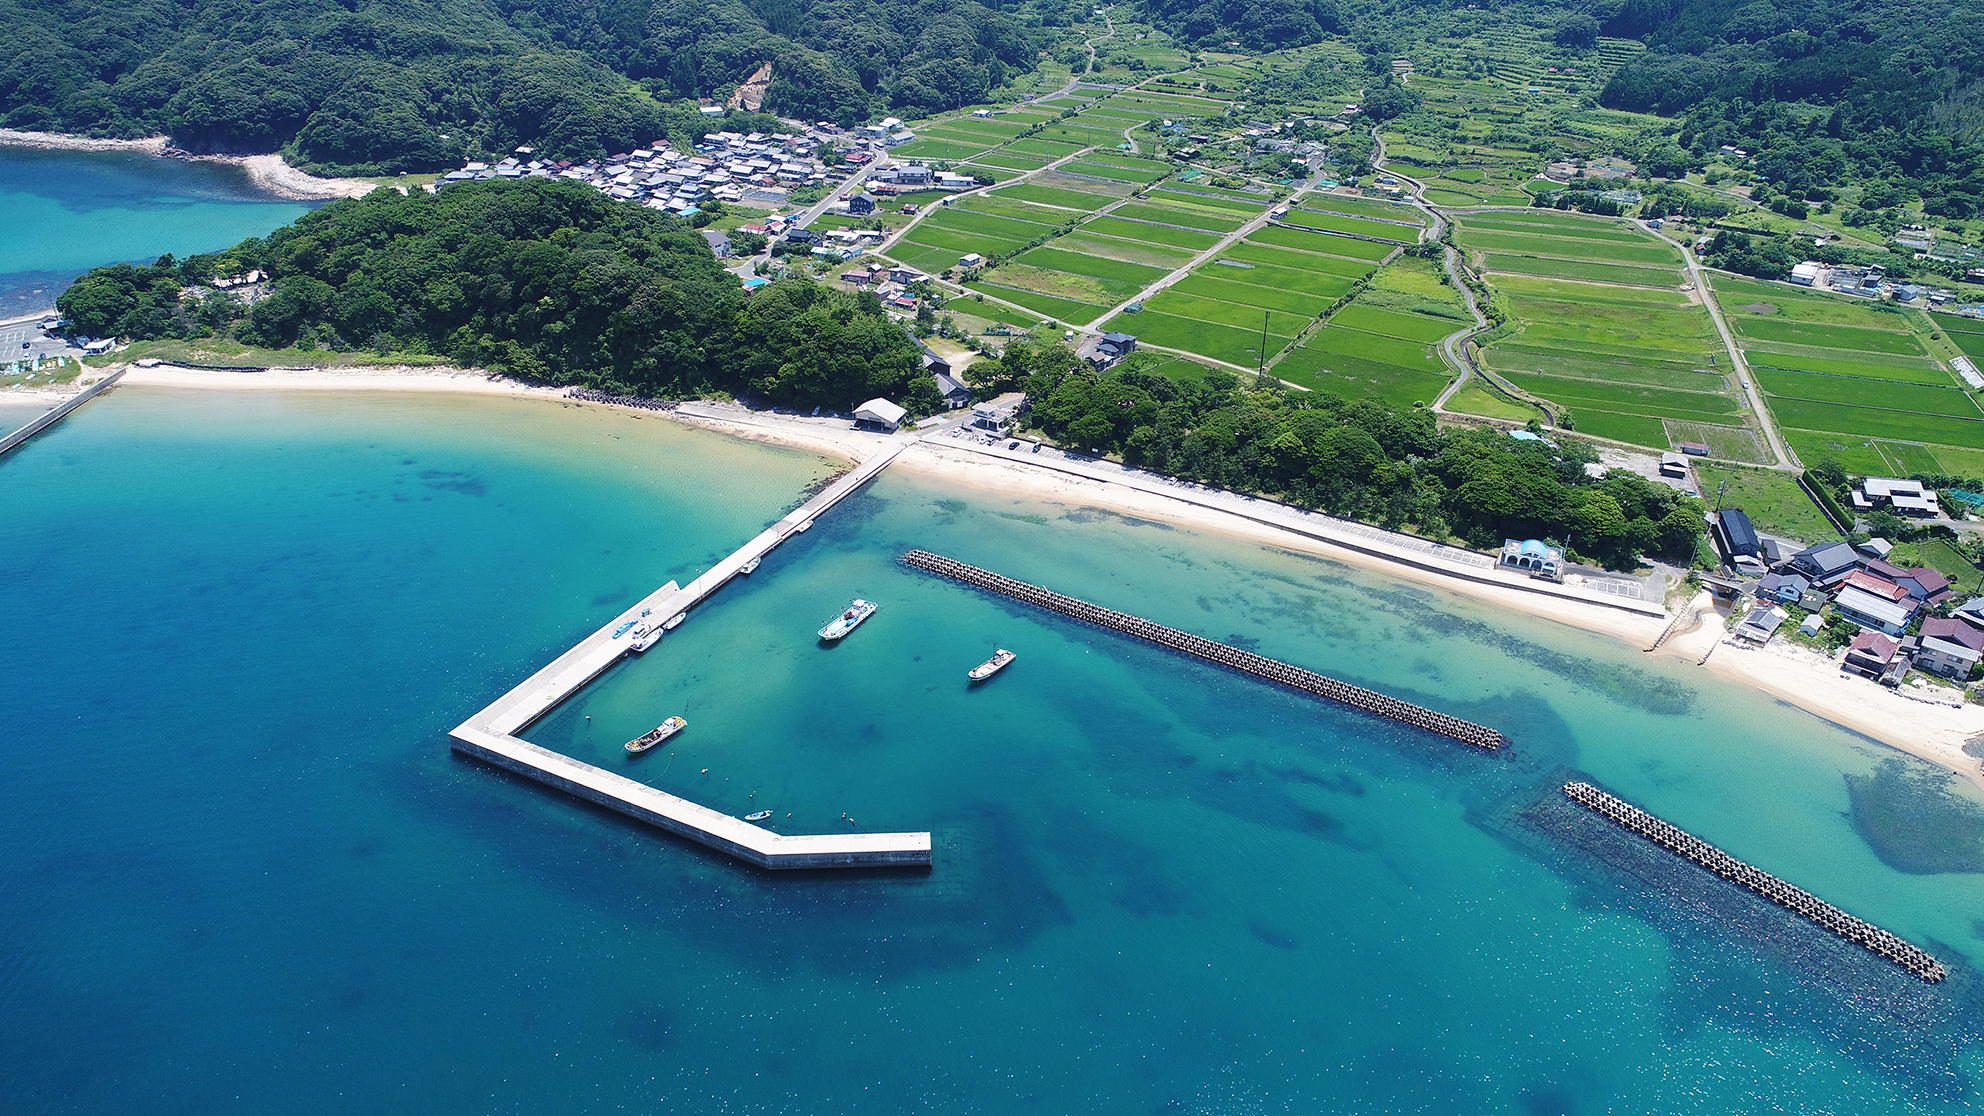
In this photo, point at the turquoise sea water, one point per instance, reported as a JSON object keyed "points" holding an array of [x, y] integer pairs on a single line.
{"points": [[245, 872], [65, 212]]}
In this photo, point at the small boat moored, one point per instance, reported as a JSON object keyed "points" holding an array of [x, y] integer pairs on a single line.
{"points": [[659, 733], [748, 568], [675, 621], [759, 816], [998, 662], [847, 621]]}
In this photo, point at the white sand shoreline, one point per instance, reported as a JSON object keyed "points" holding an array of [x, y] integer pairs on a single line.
{"points": [[1801, 678], [269, 172]]}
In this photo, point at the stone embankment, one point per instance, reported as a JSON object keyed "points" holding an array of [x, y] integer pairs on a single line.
{"points": [[1370, 701], [1858, 931]]}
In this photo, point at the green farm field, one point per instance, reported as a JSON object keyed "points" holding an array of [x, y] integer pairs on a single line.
{"points": [[1005, 161], [1322, 242], [1066, 199], [1835, 418], [961, 243], [1010, 208], [1002, 129], [1114, 174], [1487, 224], [958, 219], [1115, 275], [1581, 269], [1048, 148], [1269, 298], [1111, 225], [941, 149], [1773, 500], [1358, 226], [1417, 356], [1628, 398], [1169, 215], [1180, 304], [1058, 309], [1169, 193], [1231, 344], [1129, 251], [1356, 378], [1390, 323], [1747, 300], [1262, 274], [1295, 260], [1572, 248], [1560, 360], [1917, 373], [1817, 335], [1358, 207]]}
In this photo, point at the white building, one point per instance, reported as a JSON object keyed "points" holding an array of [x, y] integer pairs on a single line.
{"points": [[881, 412], [1806, 274]]}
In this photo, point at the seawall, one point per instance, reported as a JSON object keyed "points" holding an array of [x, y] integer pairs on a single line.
{"points": [[61, 412]]}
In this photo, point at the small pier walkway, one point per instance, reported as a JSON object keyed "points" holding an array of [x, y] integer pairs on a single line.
{"points": [[1858, 931], [1308, 681], [491, 734], [58, 412]]}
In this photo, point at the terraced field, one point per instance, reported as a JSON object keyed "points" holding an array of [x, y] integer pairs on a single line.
{"points": [[1852, 381]]}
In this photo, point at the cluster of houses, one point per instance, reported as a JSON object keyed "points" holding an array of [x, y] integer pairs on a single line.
{"points": [[726, 166], [1884, 600], [890, 284]]}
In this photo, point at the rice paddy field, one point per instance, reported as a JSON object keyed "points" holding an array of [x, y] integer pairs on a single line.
{"points": [[1631, 356], [1853, 381], [1385, 343]]}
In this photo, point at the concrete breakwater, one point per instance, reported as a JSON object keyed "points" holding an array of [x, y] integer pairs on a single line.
{"points": [[56, 415], [1370, 701], [1823, 914]]}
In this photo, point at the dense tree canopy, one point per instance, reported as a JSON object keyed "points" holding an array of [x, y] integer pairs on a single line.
{"points": [[1357, 458], [541, 279], [367, 86]]}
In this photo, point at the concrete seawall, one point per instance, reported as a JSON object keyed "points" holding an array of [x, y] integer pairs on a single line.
{"points": [[490, 734], [1858, 931], [1370, 701], [61, 412]]}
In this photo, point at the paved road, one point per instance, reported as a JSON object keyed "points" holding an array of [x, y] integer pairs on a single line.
{"points": [[1768, 425]]}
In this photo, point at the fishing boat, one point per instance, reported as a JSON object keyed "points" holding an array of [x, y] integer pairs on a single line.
{"points": [[759, 816], [998, 662], [660, 733], [646, 635], [848, 621], [749, 567], [675, 621]]}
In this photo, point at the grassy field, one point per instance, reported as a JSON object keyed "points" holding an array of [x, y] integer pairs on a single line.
{"points": [[1048, 148], [961, 243], [1261, 274], [1358, 226], [1868, 393], [1220, 342], [1322, 242], [1773, 501], [1851, 338], [1913, 372], [1359, 207], [1272, 298], [1180, 304], [1391, 323], [1904, 426], [960, 219], [1129, 251], [1477, 400], [1248, 251], [1725, 443], [1118, 277], [1010, 162], [1171, 193], [1174, 216], [1572, 248], [1017, 210], [941, 149], [1118, 174], [1112, 225], [1066, 199], [1058, 309], [1553, 268], [1355, 378]]}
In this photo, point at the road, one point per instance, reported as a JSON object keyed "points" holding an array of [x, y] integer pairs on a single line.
{"points": [[1768, 425], [747, 267]]}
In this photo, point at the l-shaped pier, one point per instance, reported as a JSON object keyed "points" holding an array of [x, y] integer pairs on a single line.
{"points": [[491, 734]]}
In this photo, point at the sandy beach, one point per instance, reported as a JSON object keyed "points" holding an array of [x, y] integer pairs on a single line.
{"points": [[1936, 733], [269, 172]]}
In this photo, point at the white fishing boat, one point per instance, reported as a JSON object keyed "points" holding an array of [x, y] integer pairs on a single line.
{"points": [[675, 621], [847, 621], [749, 567], [998, 662], [759, 816], [656, 735]]}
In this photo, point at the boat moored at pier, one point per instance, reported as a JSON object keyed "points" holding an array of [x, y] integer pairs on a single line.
{"points": [[848, 620]]}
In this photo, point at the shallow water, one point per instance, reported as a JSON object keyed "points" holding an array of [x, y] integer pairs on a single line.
{"points": [[65, 212], [246, 865]]}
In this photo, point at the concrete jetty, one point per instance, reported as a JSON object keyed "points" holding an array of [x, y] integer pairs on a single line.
{"points": [[1858, 931], [60, 412], [490, 735], [1370, 701]]}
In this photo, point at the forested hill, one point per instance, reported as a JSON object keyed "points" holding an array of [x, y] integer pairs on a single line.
{"points": [[369, 86], [546, 280], [1821, 90]]}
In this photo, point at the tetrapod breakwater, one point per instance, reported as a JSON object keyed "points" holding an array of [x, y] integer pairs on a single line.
{"points": [[594, 395], [1856, 930], [1308, 681]]}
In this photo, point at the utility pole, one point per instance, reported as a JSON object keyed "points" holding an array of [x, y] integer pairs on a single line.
{"points": [[1719, 490], [1263, 369]]}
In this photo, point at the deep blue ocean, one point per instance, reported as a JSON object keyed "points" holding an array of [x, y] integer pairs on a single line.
{"points": [[245, 872], [65, 212]]}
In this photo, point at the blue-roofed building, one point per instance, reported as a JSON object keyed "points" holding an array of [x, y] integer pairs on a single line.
{"points": [[1534, 557]]}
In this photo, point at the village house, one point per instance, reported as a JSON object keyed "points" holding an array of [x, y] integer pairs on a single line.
{"points": [[1950, 648]]}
